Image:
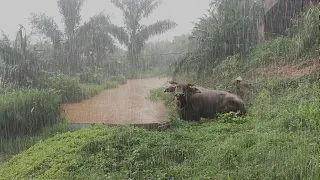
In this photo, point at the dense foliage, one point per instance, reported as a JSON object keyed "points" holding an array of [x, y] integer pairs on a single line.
{"points": [[20, 64], [229, 29], [230, 33]]}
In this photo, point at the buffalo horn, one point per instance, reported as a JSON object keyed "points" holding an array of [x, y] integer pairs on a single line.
{"points": [[173, 82]]}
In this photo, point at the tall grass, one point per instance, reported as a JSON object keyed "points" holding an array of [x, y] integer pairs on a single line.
{"points": [[16, 144], [25, 112]]}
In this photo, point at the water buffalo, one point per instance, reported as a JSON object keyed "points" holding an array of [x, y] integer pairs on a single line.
{"points": [[193, 103]]}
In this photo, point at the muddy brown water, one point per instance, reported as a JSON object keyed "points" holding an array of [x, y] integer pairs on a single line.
{"points": [[126, 104]]}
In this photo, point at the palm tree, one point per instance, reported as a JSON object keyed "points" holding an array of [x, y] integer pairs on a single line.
{"points": [[70, 11], [135, 34], [92, 39]]}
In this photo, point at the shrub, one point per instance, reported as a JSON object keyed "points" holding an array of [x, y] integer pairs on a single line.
{"points": [[91, 75], [119, 78], [25, 112], [231, 117], [69, 88]]}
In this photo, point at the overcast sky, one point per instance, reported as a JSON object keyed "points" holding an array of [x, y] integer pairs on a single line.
{"points": [[183, 12]]}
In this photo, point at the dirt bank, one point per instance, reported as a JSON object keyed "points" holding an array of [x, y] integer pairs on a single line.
{"points": [[124, 105]]}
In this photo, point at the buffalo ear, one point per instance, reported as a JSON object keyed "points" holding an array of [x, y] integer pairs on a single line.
{"points": [[170, 89], [195, 90]]}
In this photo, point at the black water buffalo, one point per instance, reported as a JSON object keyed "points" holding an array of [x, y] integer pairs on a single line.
{"points": [[193, 103]]}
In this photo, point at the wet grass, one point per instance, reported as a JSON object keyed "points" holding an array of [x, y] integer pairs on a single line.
{"points": [[25, 112], [28, 116], [278, 139], [121, 79], [13, 145]]}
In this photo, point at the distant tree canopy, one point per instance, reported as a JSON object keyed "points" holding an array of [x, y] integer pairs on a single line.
{"points": [[92, 40], [161, 54], [135, 34]]}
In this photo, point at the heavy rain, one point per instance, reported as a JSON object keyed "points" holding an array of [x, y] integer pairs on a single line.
{"points": [[160, 89]]}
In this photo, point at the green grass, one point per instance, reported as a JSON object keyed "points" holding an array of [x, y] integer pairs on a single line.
{"points": [[278, 139], [120, 79], [68, 87], [17, 144], [27, 116], [25, 112]]}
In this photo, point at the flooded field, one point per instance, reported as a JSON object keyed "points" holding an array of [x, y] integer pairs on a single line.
{"points": [[124, 105]]}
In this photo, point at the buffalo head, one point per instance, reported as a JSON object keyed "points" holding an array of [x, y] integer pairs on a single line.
{"points": [[181, 90]]}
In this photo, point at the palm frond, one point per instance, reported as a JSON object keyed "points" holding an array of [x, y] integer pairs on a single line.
{"points": [[47, 26], [120, 33], [119, 4], [157, 28], [149, 6], [70, 10]]}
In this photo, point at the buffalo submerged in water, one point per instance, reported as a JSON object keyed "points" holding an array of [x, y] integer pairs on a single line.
{"points": [[193, 103]]}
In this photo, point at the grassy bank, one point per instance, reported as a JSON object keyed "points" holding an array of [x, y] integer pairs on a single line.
{"points": [[279, 138], [25, 112], [17, 144], [29, 116]]}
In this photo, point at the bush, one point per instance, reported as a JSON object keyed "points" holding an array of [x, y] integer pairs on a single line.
{"points": [[119, 78], [26, 112], [68, 87], [91, 75]]}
